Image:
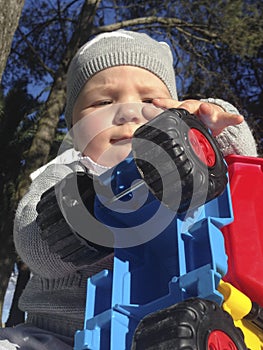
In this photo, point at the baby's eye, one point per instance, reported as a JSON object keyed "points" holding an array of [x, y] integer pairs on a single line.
{"points": [[102, 103]]}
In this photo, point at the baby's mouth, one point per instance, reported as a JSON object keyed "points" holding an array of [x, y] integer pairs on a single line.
{"points": [[121, 140]]}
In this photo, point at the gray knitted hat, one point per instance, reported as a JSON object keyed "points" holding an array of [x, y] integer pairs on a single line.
{"points": [[118, 48]]}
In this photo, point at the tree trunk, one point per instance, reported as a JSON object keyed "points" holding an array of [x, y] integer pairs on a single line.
{"points": [[40, 148], [9, 18]]}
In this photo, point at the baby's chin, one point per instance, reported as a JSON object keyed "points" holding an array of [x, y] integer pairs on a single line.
{"points": [[115, 154]]}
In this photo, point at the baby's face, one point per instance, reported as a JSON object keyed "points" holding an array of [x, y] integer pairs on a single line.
{"points": [[110, 107]]}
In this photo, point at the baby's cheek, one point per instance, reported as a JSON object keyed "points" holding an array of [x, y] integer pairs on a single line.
{"points": [[88, 129], [93, 149], [82, 138], [150, 111]]}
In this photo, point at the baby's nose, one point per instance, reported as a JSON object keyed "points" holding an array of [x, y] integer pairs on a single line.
{"points": [[126, 114]]}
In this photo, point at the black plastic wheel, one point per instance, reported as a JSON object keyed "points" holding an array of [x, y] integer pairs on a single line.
{"points": [[179, 160], [194, 324], [56, 228]]}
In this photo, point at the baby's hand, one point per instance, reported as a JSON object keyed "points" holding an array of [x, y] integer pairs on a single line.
{"points": [[213, 116]]}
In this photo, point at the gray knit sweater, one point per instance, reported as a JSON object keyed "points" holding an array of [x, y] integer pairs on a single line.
{"points": [[55, 296]]}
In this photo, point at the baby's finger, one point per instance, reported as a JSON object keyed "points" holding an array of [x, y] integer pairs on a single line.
{"points": [[192, 106], [217, 122], [166, 103]]}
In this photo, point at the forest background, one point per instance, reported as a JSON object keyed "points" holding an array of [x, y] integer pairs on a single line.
{"points": [[218, 52]]}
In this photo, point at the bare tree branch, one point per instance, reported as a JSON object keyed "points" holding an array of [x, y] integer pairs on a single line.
{"points": [[162, 21], [36, 55]]}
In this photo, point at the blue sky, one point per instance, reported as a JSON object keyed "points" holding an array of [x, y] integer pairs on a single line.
{"points": [[9, 296]]}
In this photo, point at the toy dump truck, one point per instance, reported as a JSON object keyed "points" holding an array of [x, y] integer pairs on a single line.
{"points": [[195, 256], [186, 228]]}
